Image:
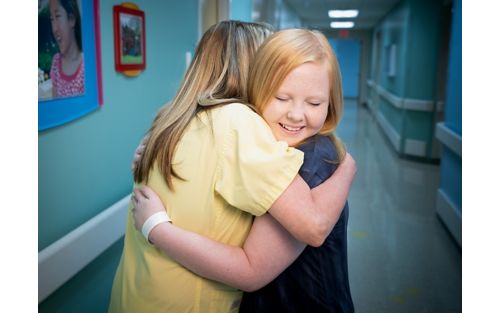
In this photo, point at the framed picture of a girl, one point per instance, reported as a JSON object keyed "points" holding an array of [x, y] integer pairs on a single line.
{"points": [[68, 61]]}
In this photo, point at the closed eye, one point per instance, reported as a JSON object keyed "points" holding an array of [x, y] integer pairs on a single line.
{"points": [[281, 98]]}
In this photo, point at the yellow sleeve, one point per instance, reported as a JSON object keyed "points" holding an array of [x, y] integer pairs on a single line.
{"points": [[254, 168]]}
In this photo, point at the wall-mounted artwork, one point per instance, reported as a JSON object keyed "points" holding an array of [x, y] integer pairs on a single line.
{"points": [[130, 39], [69, 67]]}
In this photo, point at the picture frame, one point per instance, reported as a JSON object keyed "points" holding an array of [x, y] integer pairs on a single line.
{"points": [[56, 107], [129, 38]]}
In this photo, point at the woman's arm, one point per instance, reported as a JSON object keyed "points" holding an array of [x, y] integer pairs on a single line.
{"points": [[309, 215], [268, 250]]}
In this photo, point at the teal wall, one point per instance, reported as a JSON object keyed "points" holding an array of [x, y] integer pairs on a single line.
{"points": [[394, 30], [276, 13], [451, 162], [453, 104], [288, 18], [425, 22], [414, 27], [241, 10], [84, 166]]}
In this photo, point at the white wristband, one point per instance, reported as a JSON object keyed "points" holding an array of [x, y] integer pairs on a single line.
{"points": [[154, 220]]}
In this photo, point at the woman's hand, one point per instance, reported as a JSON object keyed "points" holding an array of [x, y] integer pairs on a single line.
{"points": [[139, 152], [146, 203]]}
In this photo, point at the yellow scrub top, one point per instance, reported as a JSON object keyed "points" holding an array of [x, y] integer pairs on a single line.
{"points": [[234, 169]]}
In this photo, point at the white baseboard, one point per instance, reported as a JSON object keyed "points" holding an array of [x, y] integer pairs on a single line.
{"points": [[449, 138], [423, 105], [391, 133], [450, 215], [415, 147], [67, 256], [418, 105]]}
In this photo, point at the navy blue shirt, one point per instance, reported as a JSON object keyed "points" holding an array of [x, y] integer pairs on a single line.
{"points": [[318, 280]]}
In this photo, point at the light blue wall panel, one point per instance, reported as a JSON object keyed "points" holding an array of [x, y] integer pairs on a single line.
{"points": [[451, 162], [451, 176], [453, 111]]}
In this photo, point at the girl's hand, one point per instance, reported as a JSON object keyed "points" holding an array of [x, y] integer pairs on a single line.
{"points": [[139, 151], [146, 203]]}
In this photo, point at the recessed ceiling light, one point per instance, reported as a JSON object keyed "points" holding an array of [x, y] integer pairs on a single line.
{"points": [[342, 24], [343, 13]]}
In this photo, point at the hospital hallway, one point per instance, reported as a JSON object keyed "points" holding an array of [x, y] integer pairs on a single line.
{"points": [[400, 64], [401, 256]]}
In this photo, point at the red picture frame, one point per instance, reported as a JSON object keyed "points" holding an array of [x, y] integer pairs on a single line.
{"points": [[130, 39]]}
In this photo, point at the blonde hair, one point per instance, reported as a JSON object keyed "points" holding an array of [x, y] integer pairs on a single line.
{"points": [[280, 54], [217, 75]]}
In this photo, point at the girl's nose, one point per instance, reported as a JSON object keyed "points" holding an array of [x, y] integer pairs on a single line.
{"points": [[296, 113]]}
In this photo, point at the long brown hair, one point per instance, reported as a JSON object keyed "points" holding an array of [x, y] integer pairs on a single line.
{"points": [[217, 75], [280, 54]]}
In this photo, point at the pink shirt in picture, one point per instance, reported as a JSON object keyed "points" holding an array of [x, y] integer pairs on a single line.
{"points": [[67, 85]]}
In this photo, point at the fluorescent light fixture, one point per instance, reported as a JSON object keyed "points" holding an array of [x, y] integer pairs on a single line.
{"points": [[343, 13], [342, 24]]}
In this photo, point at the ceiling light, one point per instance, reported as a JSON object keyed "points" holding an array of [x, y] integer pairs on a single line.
{"points": [[343, 13], [342, 24]]}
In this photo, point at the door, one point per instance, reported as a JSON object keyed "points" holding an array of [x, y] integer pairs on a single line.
{"points": [[348, 54]]}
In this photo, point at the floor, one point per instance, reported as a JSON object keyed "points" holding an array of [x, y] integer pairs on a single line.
{"points": [[401, 257]]}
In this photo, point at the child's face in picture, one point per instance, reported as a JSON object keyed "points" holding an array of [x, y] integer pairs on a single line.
{"points": [[62, 25], [298, 109]]}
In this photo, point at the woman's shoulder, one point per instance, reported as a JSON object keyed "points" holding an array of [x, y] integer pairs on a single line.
{"points": [[236, 108], [236, 114]]}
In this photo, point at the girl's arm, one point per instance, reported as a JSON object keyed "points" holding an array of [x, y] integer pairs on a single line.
{"points": [[267, 251], [309, 215]]}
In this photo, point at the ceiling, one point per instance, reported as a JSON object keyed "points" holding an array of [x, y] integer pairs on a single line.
{"points": [[314, 13]]}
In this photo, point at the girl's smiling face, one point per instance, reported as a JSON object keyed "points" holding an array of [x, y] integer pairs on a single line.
{"points": [[299, 108], [62, 26]]}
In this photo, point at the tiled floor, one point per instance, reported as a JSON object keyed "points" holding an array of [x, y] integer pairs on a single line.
{"points": [[401, 258]]}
